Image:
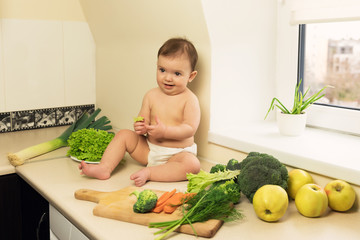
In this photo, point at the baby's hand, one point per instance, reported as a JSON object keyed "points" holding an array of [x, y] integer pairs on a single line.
{"points": [[158, 130], [139, 126]]}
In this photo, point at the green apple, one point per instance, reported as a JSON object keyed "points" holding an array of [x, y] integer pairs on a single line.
{"points": [[270, 202], [311, 200], [297, 179], [341, 195]]}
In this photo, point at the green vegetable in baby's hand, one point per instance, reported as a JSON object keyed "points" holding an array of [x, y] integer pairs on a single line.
{"points": [[89, 144], [138, 119], [146, 201]]}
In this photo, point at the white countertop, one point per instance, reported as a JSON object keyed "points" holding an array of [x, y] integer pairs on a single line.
{"points": [[16, 141], [57, 178]]}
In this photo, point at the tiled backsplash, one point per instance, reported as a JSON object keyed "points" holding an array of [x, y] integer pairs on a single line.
{"points": [[41, 118]]}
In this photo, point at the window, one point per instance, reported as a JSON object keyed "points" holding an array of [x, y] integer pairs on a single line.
{"points": [[330, 55]]}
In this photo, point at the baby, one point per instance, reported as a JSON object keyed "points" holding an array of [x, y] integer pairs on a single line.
{"points": [[164, 140]]}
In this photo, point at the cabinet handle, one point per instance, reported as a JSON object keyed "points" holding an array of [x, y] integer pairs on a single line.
{"points": [[39, 226]]}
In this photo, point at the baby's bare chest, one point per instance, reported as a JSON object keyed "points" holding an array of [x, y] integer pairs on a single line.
{"points": [[170, 111]]}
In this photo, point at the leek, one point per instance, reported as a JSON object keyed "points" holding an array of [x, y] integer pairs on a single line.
{"points": [[85, 121]]}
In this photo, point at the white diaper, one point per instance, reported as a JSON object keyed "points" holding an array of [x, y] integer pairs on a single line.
{"points": [[160, 155]]}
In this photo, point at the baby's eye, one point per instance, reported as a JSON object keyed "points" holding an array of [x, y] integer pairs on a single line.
{"points": [[177, 74], [161, 70]]}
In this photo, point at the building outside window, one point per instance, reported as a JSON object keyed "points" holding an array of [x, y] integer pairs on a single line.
{"points": [[332, 57]]}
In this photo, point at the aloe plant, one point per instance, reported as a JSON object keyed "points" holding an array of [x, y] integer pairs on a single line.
{"points": [[300, 104]]}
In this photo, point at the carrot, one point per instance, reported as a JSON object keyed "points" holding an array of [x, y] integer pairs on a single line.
{"points": [[170, 201], [158, 209], [163, 201], [177, 201], [174, 202], [170, 209], [163, 198]]}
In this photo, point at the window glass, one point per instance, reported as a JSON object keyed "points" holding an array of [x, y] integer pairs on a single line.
{"points": [[332, 57]]}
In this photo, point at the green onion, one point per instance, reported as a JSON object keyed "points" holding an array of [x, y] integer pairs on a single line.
{"points": [[85, 121]]}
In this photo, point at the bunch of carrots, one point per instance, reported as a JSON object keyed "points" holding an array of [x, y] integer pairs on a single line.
{"points": [[170, 201]]}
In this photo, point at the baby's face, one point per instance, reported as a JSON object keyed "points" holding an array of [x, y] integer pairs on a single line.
{"points": [[174, 73]]}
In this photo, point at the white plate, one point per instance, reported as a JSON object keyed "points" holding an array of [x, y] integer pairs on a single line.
{"points": [[78, 160]]}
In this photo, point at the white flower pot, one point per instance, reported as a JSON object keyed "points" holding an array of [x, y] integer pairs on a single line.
{"points": [[291, 124]]}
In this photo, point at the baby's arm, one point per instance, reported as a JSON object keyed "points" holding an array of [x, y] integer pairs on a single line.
{"points": [[140, 124], [182, 131], [161, 131]]}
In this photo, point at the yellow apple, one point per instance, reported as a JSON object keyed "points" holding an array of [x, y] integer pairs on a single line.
{"points": [[270, 202], [311, 200], [297, 179], [341, 195]]}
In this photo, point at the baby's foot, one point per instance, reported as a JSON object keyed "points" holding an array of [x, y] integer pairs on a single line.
{"points": [[94, 170], [141, 177]]}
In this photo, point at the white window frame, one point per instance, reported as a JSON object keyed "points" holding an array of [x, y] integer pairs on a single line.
{"points": [[334, 118], [315, 11]]}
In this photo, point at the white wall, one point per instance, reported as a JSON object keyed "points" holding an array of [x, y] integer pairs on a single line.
{"points": [[46, 60], [243, 44]]}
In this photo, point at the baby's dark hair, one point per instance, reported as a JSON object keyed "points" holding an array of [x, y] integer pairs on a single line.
{"points": [[179, 45]]}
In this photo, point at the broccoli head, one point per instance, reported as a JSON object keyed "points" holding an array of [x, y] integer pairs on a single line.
{"points": [[233, 164], [250, 157], [146, 201], [218, 167], [259, 169], [230, 189]]}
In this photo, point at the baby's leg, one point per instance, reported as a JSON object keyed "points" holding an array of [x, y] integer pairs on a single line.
{"points": [[124, 141], [172, 171], [94, 170], [141, 176]]}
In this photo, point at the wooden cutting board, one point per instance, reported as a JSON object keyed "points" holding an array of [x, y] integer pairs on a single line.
{"points": [[119, 205]]}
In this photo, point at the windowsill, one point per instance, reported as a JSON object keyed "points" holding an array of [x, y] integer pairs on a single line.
{"points": [[332, 154]]}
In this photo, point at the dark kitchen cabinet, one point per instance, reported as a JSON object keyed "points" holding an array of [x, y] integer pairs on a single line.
{"points": [[10, 207], [24, 213]]}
